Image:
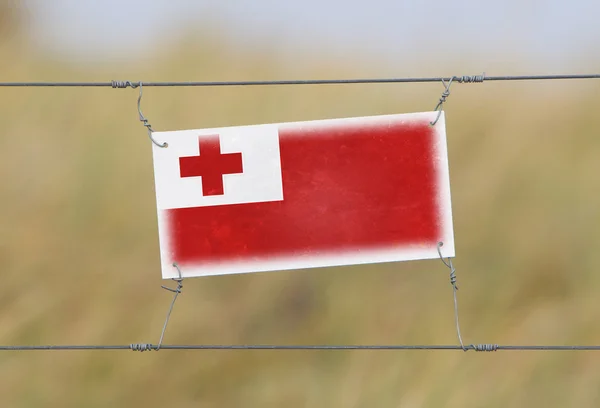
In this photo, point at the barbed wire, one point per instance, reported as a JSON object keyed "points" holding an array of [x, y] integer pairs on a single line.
{"points": [[459, 79]]}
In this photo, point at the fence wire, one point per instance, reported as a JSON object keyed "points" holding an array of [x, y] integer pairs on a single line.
{"points": [[459, 79], [152, 347]]}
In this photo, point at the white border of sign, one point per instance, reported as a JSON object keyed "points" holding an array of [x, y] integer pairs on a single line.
{"points": [[401, 253]]}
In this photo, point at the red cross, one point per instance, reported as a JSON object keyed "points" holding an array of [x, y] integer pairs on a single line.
{"points": [[211, 165]]}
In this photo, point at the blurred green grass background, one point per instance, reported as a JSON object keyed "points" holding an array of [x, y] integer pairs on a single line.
{"points": [[79, 247]]}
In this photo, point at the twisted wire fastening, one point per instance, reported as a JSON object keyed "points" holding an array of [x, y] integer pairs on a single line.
{"points": [[468, 79], [177, 291], [141, 347], [124, 84], [443, 98], [145, 121], [452, 275], [476, 347], [484, 347], [465, 79], [454, 290]]}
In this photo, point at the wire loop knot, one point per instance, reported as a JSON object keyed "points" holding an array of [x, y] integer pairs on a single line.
{"points": [[443, 98], [465, 79], [449, 266]]}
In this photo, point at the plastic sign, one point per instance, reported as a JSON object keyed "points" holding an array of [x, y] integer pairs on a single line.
{"points": [[303, 195]]}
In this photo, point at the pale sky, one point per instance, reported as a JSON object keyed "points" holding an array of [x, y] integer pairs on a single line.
{"points": [[551, 36]]}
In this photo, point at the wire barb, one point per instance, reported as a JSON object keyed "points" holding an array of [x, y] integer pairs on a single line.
{"points": [[177, 291], [141, 115]]}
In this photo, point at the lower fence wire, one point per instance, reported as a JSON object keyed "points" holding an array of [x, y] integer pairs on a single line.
{"points": [[148, 347], [156, 347]]}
